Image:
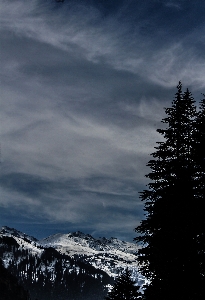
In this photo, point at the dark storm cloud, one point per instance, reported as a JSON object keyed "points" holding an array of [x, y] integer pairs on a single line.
{"points": [[83, 91]]}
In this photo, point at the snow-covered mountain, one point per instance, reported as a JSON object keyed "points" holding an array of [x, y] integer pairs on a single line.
{"points": [[110, 255], [7, 231], [23, 240], [74, 260]]}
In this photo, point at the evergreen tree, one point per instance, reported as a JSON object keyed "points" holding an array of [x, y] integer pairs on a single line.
{"points": [[124, 288], [9, 286], [199, 177], [170, 258], [200, 149]]}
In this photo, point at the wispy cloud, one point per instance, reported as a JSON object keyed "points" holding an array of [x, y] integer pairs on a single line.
{"points": [[83, 91]]}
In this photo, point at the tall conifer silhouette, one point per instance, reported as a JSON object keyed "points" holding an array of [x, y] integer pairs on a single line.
{"points": [[172, 233], [124, 288], [199, 177]]}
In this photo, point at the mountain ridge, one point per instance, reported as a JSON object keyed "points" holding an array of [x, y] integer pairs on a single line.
{"points": [[12, 231], [74, 253]]}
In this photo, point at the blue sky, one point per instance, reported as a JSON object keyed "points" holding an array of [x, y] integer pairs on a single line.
{"points": [[83, 90]]}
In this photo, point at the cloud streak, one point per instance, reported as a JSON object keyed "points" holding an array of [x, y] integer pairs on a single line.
{"points": [[83, 91]]}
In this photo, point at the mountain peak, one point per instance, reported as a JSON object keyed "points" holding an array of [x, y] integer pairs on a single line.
{"points": [[79, 234], [85, 244], [109, 255], [8, 231]]}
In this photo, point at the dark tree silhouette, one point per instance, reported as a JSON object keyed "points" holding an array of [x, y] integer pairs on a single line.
{"points": [[173, 232], [199, 177], [124, 288], [9, 286]]}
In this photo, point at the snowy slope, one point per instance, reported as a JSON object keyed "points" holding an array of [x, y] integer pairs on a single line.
{"points": [[86, 244], [7, 231], [110, 255], [23, 240], [67, 263]]}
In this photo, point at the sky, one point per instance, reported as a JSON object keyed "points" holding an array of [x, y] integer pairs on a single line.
{"points": [[83, 89]]}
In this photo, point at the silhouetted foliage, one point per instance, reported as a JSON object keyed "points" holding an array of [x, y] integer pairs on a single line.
{"points": [[10, 289], [124, 288], [173, 232]]}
